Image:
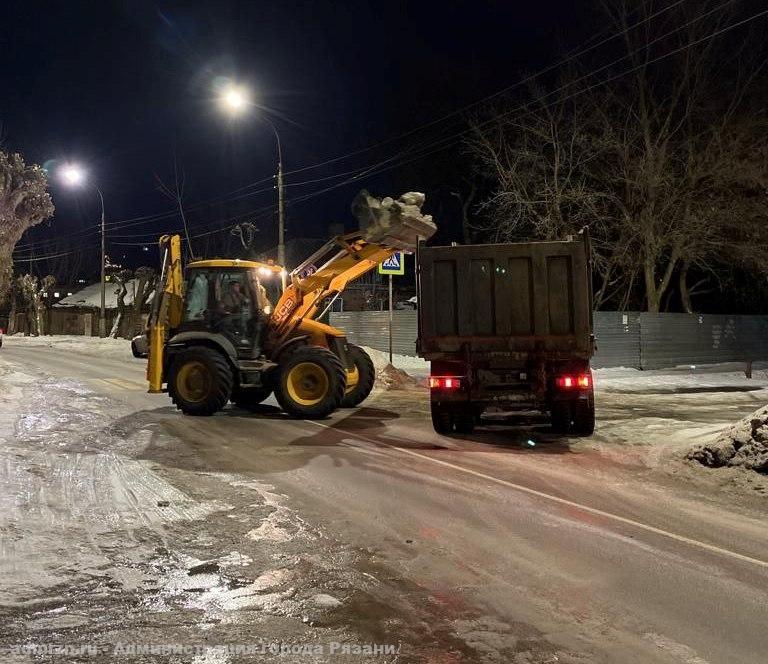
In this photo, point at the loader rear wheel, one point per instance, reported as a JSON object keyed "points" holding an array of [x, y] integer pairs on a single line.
{"points": [[200, 381], [249, 397], [366, 374], [311, 383]]}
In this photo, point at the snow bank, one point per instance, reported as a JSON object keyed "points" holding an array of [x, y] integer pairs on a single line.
{"points": [[744, 445], [405, 371], [626, 380], [113, 348]]}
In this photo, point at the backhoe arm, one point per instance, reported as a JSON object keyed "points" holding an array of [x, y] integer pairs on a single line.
{"points": [[392, 225], [167, 308]]}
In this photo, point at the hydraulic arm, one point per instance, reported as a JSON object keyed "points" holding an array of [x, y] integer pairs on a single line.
{"points": [[392, 225]]}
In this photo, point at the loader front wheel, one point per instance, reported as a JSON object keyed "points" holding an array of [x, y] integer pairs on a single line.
{"points": [[311, 383], [200, 381], [366, 374]]}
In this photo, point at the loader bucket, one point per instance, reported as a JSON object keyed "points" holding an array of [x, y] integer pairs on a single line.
{"points": [[393, 223]]}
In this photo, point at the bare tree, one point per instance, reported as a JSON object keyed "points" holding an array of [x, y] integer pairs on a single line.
{"points": [[662, 163], [121, 278], [145, 282], [467, 198], [142, 283], [24, 202]]}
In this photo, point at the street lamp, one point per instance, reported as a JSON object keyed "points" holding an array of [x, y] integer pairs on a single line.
{"points": [[73, 175], [235, 100]]}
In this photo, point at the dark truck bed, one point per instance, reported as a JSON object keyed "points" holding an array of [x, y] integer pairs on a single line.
{"points": [[508, 325]]}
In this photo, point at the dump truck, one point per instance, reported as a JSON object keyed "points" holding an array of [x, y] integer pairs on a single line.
{"points": [[225, 329], [508, 326]]}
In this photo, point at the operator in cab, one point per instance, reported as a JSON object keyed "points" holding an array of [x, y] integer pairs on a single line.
{"points": [[234, 300]]}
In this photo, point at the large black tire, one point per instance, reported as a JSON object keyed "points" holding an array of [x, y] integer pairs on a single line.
{"points": [[442, 420], [366, 374], [200, 381], [249, 397], [584, 417], [310, 384], [561, 417], [464, 423], [574, 417]]}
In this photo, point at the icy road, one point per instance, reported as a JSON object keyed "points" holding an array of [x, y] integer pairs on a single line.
{"points": [[366, 537]]}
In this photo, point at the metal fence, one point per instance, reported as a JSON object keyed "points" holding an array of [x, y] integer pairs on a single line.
{"points": [[623, 339], [371, 328]]}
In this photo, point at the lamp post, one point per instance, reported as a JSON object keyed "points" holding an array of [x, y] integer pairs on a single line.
{"points": [[74, 176], [235, 100]]}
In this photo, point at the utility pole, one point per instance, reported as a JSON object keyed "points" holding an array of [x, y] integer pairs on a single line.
{"points": [[103, 311], [280, 204], [280, 211], [390, 319]]}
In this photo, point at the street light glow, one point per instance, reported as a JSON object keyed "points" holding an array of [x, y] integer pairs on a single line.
{"points": [[234, 99], [72, 175]]}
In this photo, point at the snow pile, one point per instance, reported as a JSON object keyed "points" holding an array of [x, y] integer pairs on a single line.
{"points": [[395, 223], [398, 374], [111, 348], [729, 376], [744, 445]]}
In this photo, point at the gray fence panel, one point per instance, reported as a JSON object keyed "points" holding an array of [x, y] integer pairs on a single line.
{"points": [[617, 339], [629, 339], [668, 340], [753, 336], [371, 328]]}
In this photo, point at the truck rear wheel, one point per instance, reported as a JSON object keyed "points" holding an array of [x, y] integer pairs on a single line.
{"points": [[442, 420], [200, 381], [366, 374], [575, 417], [248, 397], [584, 417], [464, 423], [311, 382]]}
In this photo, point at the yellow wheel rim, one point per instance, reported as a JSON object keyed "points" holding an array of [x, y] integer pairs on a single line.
{"points": [[193, 382], [353, 378], [307, 383]]}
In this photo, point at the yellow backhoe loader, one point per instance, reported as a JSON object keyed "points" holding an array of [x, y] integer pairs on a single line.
{"points": [[215, 336]]}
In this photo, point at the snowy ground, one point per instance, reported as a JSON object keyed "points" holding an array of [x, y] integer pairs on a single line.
{"points": [[719, 394], [123, 521]]}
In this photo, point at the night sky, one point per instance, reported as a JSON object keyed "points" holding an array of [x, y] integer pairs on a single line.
{"points": [[122, 87]]}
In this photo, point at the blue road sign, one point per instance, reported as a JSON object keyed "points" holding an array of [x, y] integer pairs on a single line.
{"points": [[395, 264]]}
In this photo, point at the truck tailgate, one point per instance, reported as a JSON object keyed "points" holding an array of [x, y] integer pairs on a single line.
{"points": [[522, 297]]}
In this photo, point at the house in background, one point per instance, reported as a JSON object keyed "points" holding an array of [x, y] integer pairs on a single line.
{"points": [[79, 312]]}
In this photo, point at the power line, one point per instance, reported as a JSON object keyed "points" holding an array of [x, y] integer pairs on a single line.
{"points": [[572, 55], [446, 142]]}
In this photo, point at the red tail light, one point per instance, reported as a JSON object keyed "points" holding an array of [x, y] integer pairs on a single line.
{"points": [[444, 382], [578, 381]]}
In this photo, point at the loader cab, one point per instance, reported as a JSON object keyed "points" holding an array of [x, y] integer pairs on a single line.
{"points": [[233, 298]]}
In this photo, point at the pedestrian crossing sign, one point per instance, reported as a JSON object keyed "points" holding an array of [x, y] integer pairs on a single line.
{"points": [[395, 264]]}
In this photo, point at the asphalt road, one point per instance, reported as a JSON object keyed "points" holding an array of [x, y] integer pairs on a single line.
{"points": [[485, 549]]}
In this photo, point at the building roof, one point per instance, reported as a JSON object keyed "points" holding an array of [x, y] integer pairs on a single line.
{"points": [[90, 296]]}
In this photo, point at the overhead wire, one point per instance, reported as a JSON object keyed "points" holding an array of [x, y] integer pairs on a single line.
{"points": [[435, 146], [579, 51]]}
